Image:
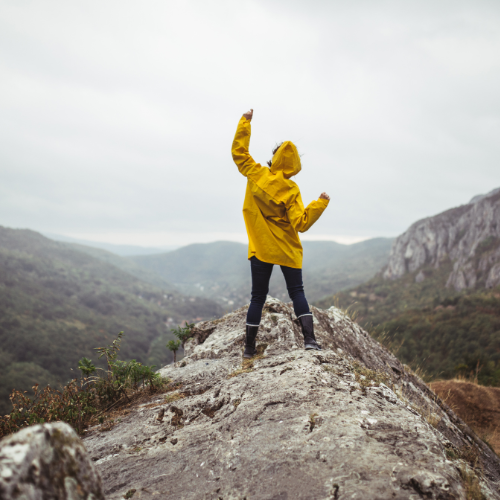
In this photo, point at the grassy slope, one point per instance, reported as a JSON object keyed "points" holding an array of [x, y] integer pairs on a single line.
{"points": [[478, 406], [57, 304], [222, 268], [430, 326]]}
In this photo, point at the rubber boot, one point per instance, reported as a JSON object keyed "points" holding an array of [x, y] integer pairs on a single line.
{"points": [[250, 350], [306, 322]]}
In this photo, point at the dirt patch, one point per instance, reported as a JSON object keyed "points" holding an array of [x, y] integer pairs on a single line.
{"points": [[477, 405]]}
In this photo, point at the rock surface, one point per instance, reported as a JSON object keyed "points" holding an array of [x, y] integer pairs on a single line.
{"points": [[346, 422], [468, 235], [47, 461]]}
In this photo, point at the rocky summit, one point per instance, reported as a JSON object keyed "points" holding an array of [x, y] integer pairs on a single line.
{"points": [[468, 236], [349, 421]]}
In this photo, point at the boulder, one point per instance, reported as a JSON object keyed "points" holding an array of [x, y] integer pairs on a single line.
{"points": [[47, 461], [349, 421]]}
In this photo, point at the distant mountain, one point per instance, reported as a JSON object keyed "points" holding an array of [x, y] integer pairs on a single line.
{"points": [[125, 264], [221, 270], [122, 250], [437, 302], [57, 304], [468, 236]]}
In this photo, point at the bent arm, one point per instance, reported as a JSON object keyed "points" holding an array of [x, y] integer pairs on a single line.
{"points": [[303, 218], [241, 156]]}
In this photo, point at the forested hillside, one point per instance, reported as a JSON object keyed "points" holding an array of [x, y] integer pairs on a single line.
{"points": [[437, 303], [221, 270], [57, 304], [429, 326], [126, 264]]}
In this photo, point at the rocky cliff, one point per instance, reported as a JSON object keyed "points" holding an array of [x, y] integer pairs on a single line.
{"points": [[468, 235], [347, 422]]}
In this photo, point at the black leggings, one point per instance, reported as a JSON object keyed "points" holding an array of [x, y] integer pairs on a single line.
{"points": [[261, 274]]}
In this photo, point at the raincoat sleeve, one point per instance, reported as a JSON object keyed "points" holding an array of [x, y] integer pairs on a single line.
{"points": [[245, 163], [303, 218]]}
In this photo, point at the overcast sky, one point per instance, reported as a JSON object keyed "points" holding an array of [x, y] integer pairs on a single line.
{"points": [[117, 117]]}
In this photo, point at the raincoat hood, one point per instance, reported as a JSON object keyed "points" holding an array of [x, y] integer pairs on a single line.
{"points": [[286, 160], [273, 210]]}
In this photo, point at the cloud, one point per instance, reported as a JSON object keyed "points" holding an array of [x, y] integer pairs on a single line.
{"points": [[117, 118]]}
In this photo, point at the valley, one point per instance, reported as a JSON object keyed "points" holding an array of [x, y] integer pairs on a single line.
{"points": [[57, 304]]}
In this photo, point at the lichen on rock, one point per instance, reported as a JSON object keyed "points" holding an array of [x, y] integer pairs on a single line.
{"points": [[292, 424], [47, 461]]}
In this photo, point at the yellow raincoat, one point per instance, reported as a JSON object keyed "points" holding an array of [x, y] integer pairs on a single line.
{"points": [[273, 210]]}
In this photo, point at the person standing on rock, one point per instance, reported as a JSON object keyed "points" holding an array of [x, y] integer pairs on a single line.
{"points": [[274, 215]]}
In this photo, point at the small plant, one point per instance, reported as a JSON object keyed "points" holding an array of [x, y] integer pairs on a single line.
{"points": [[129, 494], [451, 454], [368, 378], [312, 421], [110, 351], [183, 333], [107, 425], [86, 366], [174, 345], [471, 483]]}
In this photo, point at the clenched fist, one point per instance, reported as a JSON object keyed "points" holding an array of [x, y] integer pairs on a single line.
{"points": [[248, 115]]}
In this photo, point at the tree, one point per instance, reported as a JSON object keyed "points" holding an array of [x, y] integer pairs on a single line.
{"points": [[183, 333], [174, 345]]}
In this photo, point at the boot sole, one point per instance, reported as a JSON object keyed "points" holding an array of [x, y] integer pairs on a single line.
{"points": [[311, 347]]}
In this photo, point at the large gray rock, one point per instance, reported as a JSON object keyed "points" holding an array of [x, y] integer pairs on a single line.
{"points": [[45, 462], [346, 422], [468, 235]]}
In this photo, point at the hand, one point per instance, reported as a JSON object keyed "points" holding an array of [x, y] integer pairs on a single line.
{"points": [[248, 115], [324, 196]]}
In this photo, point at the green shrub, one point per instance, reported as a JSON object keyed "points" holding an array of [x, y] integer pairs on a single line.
{"points": [[80, 400]]}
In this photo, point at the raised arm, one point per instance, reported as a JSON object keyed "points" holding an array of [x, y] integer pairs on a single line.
{"points": [[241, 156], [303, 218]]}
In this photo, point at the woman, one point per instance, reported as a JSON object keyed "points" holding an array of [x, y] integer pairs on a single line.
{"points": [[274, 215]]}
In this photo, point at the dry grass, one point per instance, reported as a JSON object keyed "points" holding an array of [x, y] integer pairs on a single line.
{"points": [[477, 405], [312, 421], [384, 338], [107, 425], [368, 378], [472, 484], [469, 470], [170, 398], [247, 364], [246, 367], [426, 413], [433, 419], [351, 312]]}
